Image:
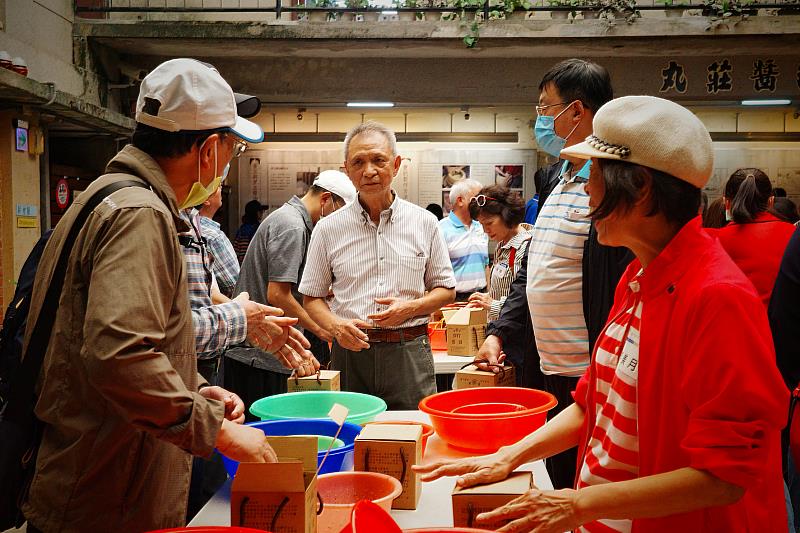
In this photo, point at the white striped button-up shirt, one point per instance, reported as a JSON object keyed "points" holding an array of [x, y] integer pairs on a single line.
{"points": [[402, 257], [555, 276]]}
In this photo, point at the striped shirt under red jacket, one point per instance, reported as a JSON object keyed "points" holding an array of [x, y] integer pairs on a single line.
{"points": [[612, 453]]}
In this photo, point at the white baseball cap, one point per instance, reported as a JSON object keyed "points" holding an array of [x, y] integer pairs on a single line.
{"points": [[338, 183], [187, 95]]}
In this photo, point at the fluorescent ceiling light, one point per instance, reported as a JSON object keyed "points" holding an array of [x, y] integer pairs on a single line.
{"points": [[370, 104], [782, 101]]}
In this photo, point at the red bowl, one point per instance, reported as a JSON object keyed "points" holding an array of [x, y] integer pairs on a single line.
{"points": [[447, 530], [427, 429], [210, 529], [489, 423]]}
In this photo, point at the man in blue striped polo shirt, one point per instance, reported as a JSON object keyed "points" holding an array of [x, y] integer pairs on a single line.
{"points": [[467, 244]]}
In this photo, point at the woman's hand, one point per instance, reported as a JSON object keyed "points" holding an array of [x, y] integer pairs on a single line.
{"points": [[550, 511], [471, 470]]}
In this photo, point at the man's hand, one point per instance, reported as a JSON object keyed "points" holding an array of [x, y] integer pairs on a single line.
{"points": [[349, 336], [481, 300], [295, 355], [492, 351], [260, 330], [234, 406], [244, 444], [398, 312]]}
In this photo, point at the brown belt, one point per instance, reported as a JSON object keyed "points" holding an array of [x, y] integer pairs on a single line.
{"points": [[396, 335]]}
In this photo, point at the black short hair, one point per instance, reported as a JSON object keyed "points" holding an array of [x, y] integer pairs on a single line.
{"points": [[578, 79], [785, 209], [677, 200], [748, 190], [159, 143], [316, 190], [436, 209], [506, 204]]}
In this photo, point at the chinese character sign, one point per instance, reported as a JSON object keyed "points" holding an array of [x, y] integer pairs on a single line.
{"points": [[673, 77], [719, 77], [765, 75]]}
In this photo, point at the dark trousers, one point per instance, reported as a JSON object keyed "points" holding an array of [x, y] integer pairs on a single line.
{"points": [[399, 372], [252, 383], [319, 348], [211, 370], [561, 467]]}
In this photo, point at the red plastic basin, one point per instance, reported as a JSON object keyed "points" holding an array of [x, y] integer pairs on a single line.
{"points": [[447, 529], [209, 529], [340, 491], [489, 408], [488, 422]]}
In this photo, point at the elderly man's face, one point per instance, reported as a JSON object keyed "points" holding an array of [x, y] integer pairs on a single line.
{"points": [[370, 164]]}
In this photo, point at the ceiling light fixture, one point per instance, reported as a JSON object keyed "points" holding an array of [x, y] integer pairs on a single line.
{"points": [[370, 104], [782, 101]]}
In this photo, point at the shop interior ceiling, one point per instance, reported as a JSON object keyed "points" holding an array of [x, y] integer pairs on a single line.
{"points": [[427, 65]]}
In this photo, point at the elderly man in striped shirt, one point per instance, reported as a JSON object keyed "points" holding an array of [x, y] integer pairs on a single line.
{"points": [[387, 266]]}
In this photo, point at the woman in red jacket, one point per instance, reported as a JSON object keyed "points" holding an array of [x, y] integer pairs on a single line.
{"points": [[677, 419], [755, 239]]}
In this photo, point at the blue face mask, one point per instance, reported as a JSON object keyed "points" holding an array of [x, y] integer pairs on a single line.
{"points": [[546, 136]]}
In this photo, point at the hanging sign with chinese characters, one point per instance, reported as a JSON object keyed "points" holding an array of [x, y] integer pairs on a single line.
{"points": [[730, 77]]}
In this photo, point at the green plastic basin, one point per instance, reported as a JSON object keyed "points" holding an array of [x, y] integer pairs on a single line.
{"points": [[316, 404]]}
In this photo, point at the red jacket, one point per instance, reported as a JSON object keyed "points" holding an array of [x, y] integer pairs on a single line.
{"points": [[757, 248], [709, 394]]}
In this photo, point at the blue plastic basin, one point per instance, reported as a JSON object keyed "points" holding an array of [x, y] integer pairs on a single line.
{"points": [[340, 459]]}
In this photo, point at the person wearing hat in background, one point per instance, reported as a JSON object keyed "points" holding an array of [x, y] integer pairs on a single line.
{"points": [[270, 273], [122, 406], [678, 418], [253, 211]]}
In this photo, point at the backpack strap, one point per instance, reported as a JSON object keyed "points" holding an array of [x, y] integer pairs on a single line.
{"points": [[23, 386]]}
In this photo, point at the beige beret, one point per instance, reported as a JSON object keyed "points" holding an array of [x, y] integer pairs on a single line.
{"points": [[651, 132]]}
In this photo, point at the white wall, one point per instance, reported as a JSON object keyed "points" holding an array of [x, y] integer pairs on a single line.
{"points": [[40, 31]]}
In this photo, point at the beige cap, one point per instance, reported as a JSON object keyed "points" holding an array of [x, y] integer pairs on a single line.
{"points": [[338, 183], [651, 132], [187, 95]]}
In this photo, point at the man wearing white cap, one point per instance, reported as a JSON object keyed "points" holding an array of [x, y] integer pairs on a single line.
{"points": [[271, 271], [122, 406]]}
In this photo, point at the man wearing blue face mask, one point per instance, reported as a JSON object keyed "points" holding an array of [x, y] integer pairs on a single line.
{"points": [[560, 299]]}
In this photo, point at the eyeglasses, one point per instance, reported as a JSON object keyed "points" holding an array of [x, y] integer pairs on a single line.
{"points": [[481, 199], [541, 108], [239, 147]]}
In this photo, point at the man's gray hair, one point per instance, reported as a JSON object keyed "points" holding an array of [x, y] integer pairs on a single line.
{"points": [[463, 188], [370, 126]]}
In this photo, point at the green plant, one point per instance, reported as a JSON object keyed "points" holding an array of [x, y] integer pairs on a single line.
{"points": [[357, 4], [723, 11], [672, 3], [574, 4], [610, 10]]}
